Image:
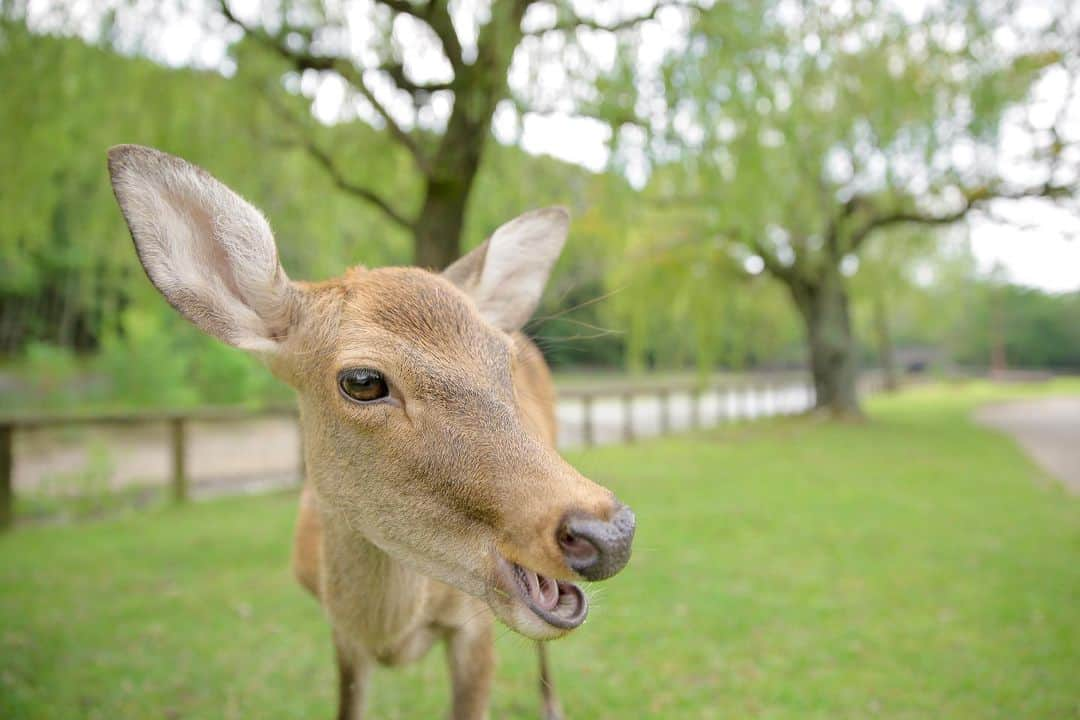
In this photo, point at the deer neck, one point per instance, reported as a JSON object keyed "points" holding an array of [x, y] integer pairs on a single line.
{"points": [[370, 596]]}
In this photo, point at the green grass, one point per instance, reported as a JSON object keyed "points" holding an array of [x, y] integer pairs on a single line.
{"points": [[912, 567]]}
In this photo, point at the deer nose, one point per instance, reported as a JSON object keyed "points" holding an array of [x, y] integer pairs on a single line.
{"points": [[597, 549]]}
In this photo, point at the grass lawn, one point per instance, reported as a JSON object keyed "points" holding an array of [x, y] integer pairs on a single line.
{"points": [[912, 567]]}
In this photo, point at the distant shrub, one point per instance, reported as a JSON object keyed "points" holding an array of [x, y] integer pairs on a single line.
{"points": [[146, 362], [50, 378]]}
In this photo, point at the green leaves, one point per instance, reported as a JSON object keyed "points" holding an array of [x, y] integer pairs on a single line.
{"points": [[63, 237], [796, 131]]}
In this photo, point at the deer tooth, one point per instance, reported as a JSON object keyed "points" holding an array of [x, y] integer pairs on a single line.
{"points": [[548, 596], [532, 583]]}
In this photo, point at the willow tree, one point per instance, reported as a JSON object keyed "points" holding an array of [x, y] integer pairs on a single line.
{"points": [[432, 75], [66, 270], [797, 132]]}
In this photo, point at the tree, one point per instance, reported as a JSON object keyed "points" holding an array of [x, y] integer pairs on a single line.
{"points": [[796, 133], [71, 282], [446, 146], [676, 312]]}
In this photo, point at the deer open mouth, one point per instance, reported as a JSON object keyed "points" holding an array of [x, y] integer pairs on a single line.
{"points": [[558, 603]]}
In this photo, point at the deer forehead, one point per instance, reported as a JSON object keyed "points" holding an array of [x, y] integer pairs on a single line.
{"points": [[418, 323]]}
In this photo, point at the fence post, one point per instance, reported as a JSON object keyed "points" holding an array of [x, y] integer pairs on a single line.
{"points": [[587, 425], [178, 441], [695, 408], [7, 467], [628, 416]]}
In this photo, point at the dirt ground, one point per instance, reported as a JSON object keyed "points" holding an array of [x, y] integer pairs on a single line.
{"points": [[255, 455], [242, 456]]}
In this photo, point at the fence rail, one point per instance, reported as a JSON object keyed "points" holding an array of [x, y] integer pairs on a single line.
{"points": [[600, 414], [624, 413]]}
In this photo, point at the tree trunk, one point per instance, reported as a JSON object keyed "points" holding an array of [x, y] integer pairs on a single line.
{"points": [[439, 227], [886, 348], [824, 308], [438, 231], [478, 87]]}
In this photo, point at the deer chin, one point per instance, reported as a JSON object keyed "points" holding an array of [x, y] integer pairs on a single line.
{"points": [[535, 605]]}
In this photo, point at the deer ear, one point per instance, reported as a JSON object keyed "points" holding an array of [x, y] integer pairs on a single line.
{"points": [[506, 275], [208, 251]]}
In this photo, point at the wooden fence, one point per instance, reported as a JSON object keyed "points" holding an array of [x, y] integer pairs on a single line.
{"points": [[588, 415]]}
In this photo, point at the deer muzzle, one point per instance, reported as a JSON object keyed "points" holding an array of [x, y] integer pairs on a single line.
{"points": [[597, 549]]}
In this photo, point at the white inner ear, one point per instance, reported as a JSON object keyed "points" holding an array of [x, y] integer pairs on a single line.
{"points": [[506, 276], [209, 252]]}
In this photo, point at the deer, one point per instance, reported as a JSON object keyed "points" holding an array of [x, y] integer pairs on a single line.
{"points": [[434, 501]]}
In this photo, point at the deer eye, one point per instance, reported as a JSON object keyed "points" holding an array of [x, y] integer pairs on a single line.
{"points": [[363, 384]]}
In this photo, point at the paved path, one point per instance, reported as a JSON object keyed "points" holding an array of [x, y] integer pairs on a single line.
{"points": [[1048, 429]]}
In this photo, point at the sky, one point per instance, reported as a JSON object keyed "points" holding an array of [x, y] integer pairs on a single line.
{"points": [[1042, 256], [1030, 241]]}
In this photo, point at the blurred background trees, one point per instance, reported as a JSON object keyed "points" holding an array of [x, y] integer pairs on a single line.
{"points": [[432, 79], [802, 133], [781, 187]]}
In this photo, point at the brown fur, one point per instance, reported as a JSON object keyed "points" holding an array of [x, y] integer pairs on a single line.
{"points": [[414, 505], [494, 476], [532, 382]]}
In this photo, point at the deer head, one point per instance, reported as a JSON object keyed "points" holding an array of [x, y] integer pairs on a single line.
{"points": [[415, 436]]}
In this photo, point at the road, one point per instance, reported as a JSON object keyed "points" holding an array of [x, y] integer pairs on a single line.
{"points": [[1048, 429]]}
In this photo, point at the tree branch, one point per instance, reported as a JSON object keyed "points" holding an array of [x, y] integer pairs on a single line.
{"points": [[396, 71], [323, 158], [304, 60], [972, 198], [438, 19], [396, 131], [615, 118], [772, 262], [436, 15], [573, 21], [403, 7]]}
